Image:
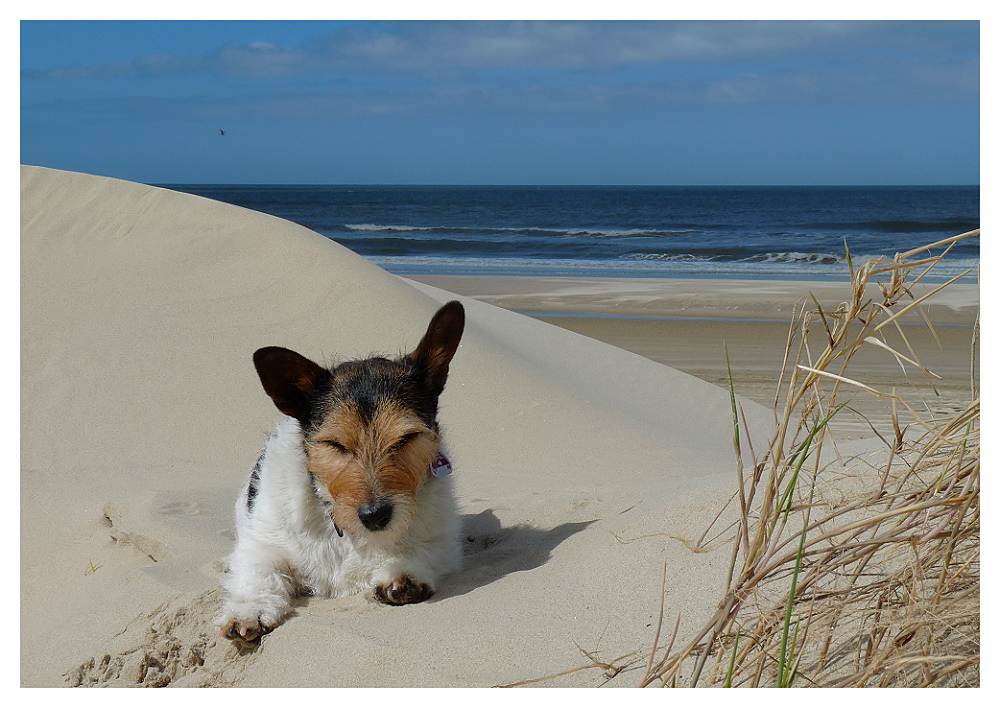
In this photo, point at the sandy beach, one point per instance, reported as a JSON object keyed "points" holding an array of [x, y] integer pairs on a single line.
{"points": [[690, 325], [586, 420]]}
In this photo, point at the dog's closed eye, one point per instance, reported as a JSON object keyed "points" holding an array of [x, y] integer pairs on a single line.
{"points": [[403, 442], [336, 446]]}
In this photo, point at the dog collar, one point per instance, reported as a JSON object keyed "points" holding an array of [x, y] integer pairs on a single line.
{"points": [[440, 467]]}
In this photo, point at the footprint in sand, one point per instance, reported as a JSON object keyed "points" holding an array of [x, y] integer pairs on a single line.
{"points": [[174, 645]]}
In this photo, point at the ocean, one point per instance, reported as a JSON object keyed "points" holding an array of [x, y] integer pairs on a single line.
{"points": [[713, 232]]}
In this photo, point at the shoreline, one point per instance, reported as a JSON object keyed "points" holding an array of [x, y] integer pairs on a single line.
{"points": [[693, 325], [967, 274], [690, 298]]}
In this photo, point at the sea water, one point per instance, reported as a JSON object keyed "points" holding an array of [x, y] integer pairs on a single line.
{"points": [[716, 232]]}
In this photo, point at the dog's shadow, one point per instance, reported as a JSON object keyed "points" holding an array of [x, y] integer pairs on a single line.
{"points": [[490, 551]]}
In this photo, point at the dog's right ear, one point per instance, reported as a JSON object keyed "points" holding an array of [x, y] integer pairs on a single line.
{"points": [[288, 378], [439, 344]]}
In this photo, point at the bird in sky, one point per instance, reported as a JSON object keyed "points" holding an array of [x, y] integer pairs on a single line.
{"points": [[221, 131]]}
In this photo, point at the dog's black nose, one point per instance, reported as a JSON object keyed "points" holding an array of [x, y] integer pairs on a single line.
{"points": [[376, 514]]}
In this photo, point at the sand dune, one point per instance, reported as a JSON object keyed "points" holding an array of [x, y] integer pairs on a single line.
{"points": [[141, 414]]}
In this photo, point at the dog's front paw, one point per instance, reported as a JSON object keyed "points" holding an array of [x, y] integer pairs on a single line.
{"points": [[402, 591], [247, 630]]}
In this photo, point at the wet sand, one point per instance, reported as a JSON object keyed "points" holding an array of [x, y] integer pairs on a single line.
{"points": [[690, 324]]}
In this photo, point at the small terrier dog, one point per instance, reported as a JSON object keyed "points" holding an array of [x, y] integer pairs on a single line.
{"points": [[350, 493]]}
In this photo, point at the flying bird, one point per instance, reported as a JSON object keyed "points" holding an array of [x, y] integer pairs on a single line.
{"points": [[221, 131]]}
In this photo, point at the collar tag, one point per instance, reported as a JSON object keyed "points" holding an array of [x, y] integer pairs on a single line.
{"points": [[440, 467]]}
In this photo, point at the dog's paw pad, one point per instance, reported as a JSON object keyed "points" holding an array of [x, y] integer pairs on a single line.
{"points": [[402, 591], [244, 630]]}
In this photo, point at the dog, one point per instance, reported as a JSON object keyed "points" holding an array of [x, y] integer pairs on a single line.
{"points": [[352, 492]]}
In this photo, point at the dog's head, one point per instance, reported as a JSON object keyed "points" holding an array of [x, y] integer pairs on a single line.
{"points": [[369, 426]]}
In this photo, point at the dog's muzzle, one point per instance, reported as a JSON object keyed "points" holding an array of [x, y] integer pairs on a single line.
{"points": [[376, 514]]}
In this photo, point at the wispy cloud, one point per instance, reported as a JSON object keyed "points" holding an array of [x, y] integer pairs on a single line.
{"points": [[553, 67], [421, 46]]}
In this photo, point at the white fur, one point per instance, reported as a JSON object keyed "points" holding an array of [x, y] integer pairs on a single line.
{"points": [[288, 545]]}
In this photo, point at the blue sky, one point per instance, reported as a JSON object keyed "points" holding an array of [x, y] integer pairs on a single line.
{"points": [[504, 102]]}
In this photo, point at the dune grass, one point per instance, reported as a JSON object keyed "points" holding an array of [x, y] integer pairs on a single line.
{"points": [[848, 571]]}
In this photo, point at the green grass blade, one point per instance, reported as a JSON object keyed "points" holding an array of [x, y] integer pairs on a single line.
{"points": [[732, 662], [785, 659], [785, 505], [732, 399]]}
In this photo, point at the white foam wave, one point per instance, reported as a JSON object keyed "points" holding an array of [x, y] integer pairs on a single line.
{"points": [[387, 227], [559, 232], [796, 257]]}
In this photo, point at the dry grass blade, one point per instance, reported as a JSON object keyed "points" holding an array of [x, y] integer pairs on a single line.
{"points": [[820, 372], [881, 567], [879, 343]]}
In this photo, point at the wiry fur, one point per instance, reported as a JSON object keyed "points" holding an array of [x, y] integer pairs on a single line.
{"points": [[289, 540]]}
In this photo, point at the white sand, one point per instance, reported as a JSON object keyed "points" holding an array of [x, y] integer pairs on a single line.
{"points": [[141, 414]]}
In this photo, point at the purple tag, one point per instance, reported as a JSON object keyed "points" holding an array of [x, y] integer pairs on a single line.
{"points": [[440, 467]]}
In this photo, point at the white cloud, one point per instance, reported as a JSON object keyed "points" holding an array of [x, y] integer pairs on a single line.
{"points": [[428, 46], [566, 67]]}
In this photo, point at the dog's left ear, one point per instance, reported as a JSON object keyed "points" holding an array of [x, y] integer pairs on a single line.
{"points": [[440, 342], [289, 379]]}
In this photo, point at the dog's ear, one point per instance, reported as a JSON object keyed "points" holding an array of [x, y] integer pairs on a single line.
{"points": [[440, 342], [288, 378]]}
